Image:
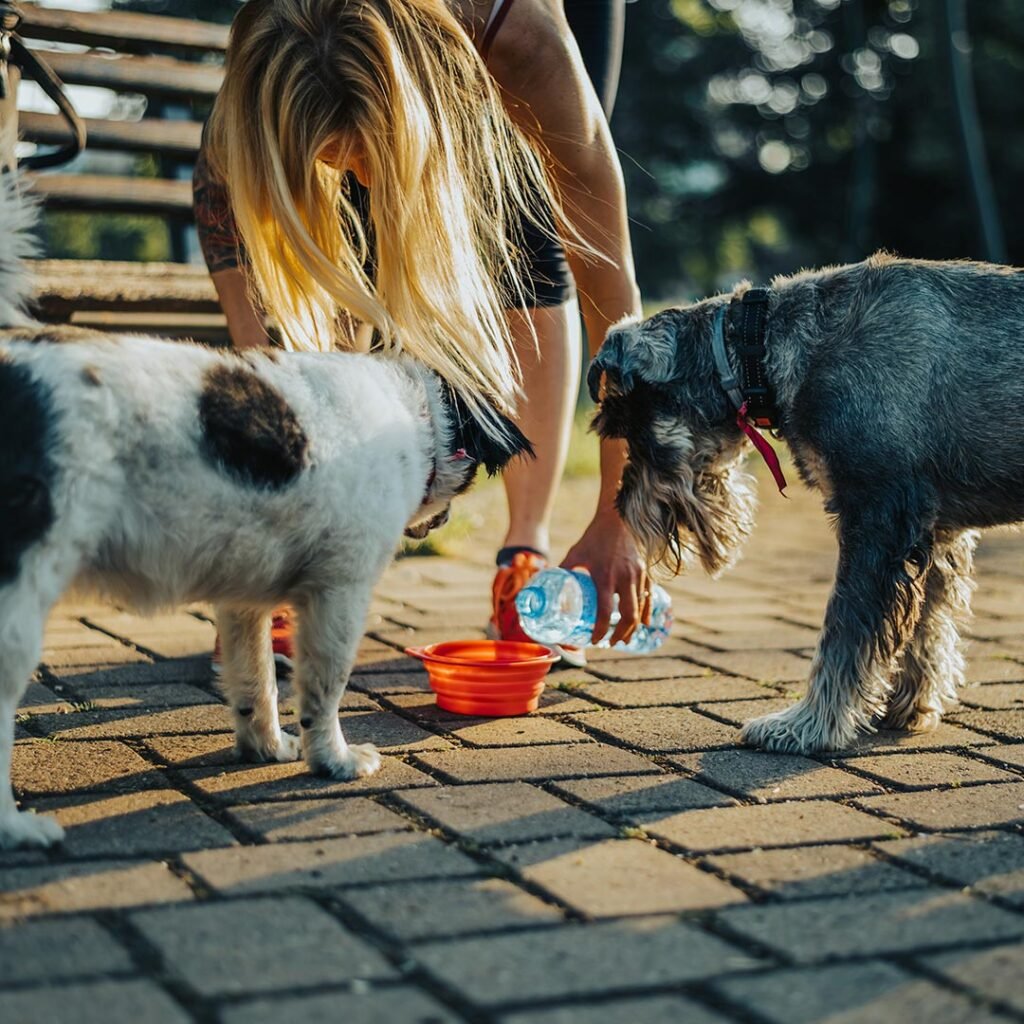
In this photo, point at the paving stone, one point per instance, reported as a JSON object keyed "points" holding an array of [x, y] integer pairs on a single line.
{"points": [[43, 768], [93, 675], [371, 679], [389, 732], [317, 819], [616, 877], [536, 763], [815, 871], [862, 993], [515, 732], [996, 696], [619, 956], [133, 824], [564, 702], [690, 690], [503, 812], [926, 769], [94, 655], [366, 1005], [221, 949], [946, 735], [94, 885], [994, 973], [353, 860], [990, 862], [739, 712], [765, 776], [162, 695], [204, 750], [622, 1011], [40, 700], [1010, 756], [50, 950], [659, 730], [88, 725], [173, 635], [775, 824], [969, 807], [626, 797], [94, 1002], [1004, 725], [243, 784], [768, 666], [781, 637], [644, 668], [983, 669], [871, 924], [411, 911]]}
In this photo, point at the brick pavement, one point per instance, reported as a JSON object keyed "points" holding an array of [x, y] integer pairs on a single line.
{"points": [[616, 857]]}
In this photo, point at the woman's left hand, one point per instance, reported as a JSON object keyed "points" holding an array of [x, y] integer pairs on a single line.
{"points": [[607, 551]]}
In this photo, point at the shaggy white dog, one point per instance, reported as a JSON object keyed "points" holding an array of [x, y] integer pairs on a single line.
{"points": [[155, 473]]}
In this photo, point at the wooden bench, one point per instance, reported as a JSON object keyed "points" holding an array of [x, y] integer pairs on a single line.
{"points": [[176, 65]]}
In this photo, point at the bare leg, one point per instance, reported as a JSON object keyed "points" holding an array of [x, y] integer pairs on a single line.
{"points": [[21, 642], [330, 627], [883, 557], [551, 371], [249, 682], [932, 669]]}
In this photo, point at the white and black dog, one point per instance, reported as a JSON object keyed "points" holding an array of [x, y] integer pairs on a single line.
{"points": [[895, 384], [155, 473]]}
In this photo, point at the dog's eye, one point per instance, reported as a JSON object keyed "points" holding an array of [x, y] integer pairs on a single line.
{"points": [[20, 493]]}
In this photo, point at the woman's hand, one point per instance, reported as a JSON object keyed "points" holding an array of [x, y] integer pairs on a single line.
{"points": [[607, 551]]}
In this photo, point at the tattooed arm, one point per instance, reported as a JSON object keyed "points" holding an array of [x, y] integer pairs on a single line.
{"points": [[225, 257]]}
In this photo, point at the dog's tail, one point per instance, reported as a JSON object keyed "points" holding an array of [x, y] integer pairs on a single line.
{"points": [[18, 216]]}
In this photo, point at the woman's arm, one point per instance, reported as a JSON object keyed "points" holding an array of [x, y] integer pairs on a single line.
{"points": [[222, 250], [535, 60]]}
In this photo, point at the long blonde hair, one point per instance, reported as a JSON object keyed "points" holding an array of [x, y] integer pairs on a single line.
{"points": [[398, 83]]}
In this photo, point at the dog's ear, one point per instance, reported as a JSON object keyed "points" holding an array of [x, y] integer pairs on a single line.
{"points": [[635, 353], [493, 444]]}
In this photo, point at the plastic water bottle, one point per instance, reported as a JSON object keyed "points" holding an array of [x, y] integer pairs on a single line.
{"points": [[559, 606]]}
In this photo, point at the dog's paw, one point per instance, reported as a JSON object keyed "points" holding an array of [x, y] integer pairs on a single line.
{"points": [[284, 748], [797, 730], [25, 828], [357, 761], [912, 720]]}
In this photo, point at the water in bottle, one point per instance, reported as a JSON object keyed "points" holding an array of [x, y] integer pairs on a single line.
{"points": [[559, 606]]}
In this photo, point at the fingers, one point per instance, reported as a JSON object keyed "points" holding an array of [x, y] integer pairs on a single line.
{"points": [[605, 604], [645, 614], [629, 611]]}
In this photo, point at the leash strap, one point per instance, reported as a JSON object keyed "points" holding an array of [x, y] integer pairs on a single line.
{"points": [[14, 51]]}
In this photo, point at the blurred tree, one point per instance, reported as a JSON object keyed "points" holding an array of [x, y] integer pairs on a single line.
{"points": [[764, 135]]}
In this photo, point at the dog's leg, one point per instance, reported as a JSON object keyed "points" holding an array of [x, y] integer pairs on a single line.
{"points": [[932, 670], [330, 627], [249, 682], [21, 643], [884, 554]]}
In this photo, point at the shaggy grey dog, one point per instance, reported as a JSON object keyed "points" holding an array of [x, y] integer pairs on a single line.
{"points": [[896, 385]]}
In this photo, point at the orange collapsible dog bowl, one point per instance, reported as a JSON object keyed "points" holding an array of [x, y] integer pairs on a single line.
{"points": [[490, 678]]}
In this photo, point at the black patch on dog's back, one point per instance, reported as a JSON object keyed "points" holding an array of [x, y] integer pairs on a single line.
{"points": [[249, 429], [26, 467]]}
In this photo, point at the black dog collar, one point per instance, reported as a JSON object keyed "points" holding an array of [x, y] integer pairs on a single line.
{"points": [[751, 389]]}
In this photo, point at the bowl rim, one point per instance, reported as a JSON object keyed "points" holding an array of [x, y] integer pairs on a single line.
{"points": [[427, 654]]}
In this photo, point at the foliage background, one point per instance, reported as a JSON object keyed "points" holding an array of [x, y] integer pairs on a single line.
{"points": [[761, 136]]}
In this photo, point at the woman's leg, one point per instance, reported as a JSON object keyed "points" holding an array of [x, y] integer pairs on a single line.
{"points": [[551, 370]]}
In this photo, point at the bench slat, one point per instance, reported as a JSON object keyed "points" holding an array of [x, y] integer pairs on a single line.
{"points": [[151, 76], [120, 30], [112, 194], [65, 287], [169, 138]]}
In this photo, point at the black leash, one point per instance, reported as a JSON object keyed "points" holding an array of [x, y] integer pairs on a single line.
{"points": [[13, 51]]}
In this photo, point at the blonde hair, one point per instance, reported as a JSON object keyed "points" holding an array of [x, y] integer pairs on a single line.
{"points": [[399, 84]]}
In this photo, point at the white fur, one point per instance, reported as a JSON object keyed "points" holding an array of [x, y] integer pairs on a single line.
{"points": [[143, 518]]}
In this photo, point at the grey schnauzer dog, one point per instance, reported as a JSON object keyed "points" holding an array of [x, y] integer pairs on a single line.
{"points": [[895, 384]]}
